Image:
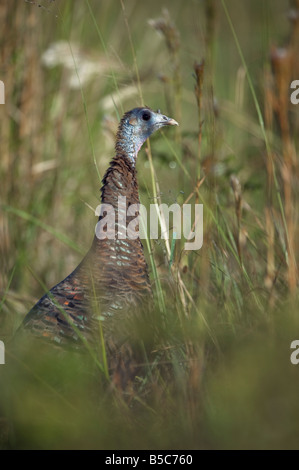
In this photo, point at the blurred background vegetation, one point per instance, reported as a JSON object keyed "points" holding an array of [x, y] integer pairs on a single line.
{"points": [[223, 70]]}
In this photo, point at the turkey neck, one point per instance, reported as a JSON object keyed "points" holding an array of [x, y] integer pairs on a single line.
{"points": [[122, 268], [120, 181]]}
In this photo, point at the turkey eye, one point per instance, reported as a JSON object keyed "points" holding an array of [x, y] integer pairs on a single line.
{"points": [[146, 116]]}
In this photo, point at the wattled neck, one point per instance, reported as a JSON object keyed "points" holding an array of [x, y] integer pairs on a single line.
{"points": [[128, 142]]}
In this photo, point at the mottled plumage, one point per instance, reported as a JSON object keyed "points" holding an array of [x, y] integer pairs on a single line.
{"points": [[113, 277]]}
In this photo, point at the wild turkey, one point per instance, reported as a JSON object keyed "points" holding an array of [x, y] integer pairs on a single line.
{"points": [[112, 279]]}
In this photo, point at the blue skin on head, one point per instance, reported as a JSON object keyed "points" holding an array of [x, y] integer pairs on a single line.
{"points": [[135, 127]]}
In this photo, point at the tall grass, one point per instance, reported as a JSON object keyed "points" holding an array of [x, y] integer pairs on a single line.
{"points": [[216, 354]]}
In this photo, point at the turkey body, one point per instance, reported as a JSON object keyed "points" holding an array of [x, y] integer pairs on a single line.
{"points": [[112, 280], [112, 277]]}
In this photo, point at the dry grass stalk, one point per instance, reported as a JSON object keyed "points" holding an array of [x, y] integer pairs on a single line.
{"points": [[236, 187], [270, 232], [282, 62], [170, 33], [199, 76]]}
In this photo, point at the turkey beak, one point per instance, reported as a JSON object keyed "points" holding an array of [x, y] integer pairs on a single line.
{"points": [[171, 122], [165, 121]]}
